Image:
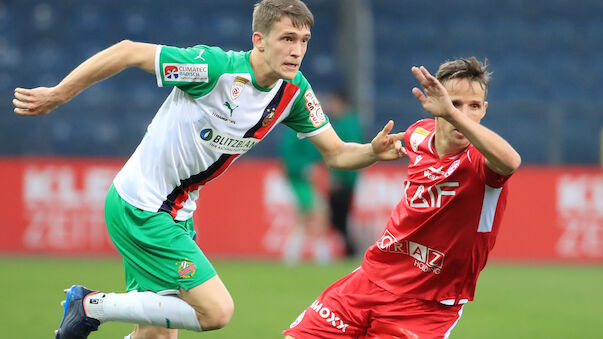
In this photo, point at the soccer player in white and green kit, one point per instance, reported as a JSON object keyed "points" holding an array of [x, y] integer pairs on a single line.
{"points": [[222, 104]]}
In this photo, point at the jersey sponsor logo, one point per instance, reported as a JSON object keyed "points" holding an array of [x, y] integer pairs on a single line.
{"points": [[186, 269], [200, 55], [207, 134], [186, 72], [237, 87], [317, 117], [330, 317], [231, 107], [230, 121], [387, 239], [452, 168], [433, 173], [170, 72], [434, 194], [417, 137], [225, 143], [426, 259]]}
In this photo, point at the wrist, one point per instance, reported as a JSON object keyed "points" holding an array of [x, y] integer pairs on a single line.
{"points": [[61, 93], [452, 115], [373, 154]]}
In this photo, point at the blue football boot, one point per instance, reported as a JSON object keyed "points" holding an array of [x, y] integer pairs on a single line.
{"points": [[75, 324]]}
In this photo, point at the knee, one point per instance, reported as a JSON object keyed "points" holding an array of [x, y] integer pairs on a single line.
{"points": [[218, 317]]}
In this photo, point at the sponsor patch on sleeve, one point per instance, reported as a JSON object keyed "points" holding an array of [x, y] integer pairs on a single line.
{"points": [[317, 117], [422, 131], [417, 137], [185, 72]]}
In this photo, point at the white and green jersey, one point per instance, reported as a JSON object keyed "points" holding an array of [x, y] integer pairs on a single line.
{"points": [[215, 113]]}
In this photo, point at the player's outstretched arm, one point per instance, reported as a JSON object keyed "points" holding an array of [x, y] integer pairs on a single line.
{"points": [[350, 156], [42, 100], [500, 156]]}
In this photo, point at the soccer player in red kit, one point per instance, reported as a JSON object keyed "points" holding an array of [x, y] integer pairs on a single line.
{"points": [[416, 278]]}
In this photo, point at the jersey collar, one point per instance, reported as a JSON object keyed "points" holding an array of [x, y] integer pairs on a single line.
{"points": [[254, 81]]}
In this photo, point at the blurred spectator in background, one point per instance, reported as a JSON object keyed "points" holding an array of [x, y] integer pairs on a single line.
{"points": [[299, 158], [346, 122]]}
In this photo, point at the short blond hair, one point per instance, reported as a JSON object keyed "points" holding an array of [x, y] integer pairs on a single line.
{"points": [[267, 12]]}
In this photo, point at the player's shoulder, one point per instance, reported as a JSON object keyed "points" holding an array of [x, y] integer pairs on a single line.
{"points": [[302, 85], [300, 81], [216, 52], [423, 126], [205, 53], [418, 132], [222, 61]]}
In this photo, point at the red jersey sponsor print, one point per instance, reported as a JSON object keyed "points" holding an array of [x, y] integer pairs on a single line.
{"points": [[439, 235]]}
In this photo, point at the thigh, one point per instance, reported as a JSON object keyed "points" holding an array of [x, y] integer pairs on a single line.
{"points": [[209, 297], [159, 254], [341, 311], [413, 318]]}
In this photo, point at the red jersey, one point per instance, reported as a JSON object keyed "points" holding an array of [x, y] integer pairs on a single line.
{"points": [[439, 235]]}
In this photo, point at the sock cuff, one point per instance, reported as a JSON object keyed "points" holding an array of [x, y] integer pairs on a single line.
{"points": [[93, 305]]}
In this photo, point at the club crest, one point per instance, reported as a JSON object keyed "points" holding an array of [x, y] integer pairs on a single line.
{"points": [[237, 87], [269, 117], [186, 269]]}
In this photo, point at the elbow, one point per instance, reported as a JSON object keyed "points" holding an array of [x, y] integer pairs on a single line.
{"points": [[332, 156], [125, 44], [515, 161], [123, 51], [335, 161], [332, 163], [128, 50], [512, 164], [136, 54]]}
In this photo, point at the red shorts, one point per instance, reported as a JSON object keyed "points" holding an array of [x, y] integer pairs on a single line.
{"points": [[354, 307]]}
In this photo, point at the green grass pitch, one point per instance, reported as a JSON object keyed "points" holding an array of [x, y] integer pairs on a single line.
{"points": [[512, 301]]}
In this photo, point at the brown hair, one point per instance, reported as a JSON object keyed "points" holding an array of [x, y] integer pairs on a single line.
{"points": [[470, 69], [267, 12]]}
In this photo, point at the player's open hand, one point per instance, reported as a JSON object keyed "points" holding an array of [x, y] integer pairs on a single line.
{"points": [[434, 99], [388, 146], [35, 101]]}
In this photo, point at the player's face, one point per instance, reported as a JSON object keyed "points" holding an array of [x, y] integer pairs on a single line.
{"points": [[468, 97], [284, 48]]}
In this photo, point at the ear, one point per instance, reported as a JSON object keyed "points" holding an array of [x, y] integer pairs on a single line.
{"points": [[258, 41], [485, 107]]}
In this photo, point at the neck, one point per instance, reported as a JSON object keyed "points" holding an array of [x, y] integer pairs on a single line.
{"points": [[263, 75], [444, 147]]}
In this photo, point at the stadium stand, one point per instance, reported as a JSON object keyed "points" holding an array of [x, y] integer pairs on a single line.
{"points": [[545, 55]]}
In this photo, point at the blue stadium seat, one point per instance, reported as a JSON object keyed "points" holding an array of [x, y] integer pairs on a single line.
{"points": [[545, 56]]}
